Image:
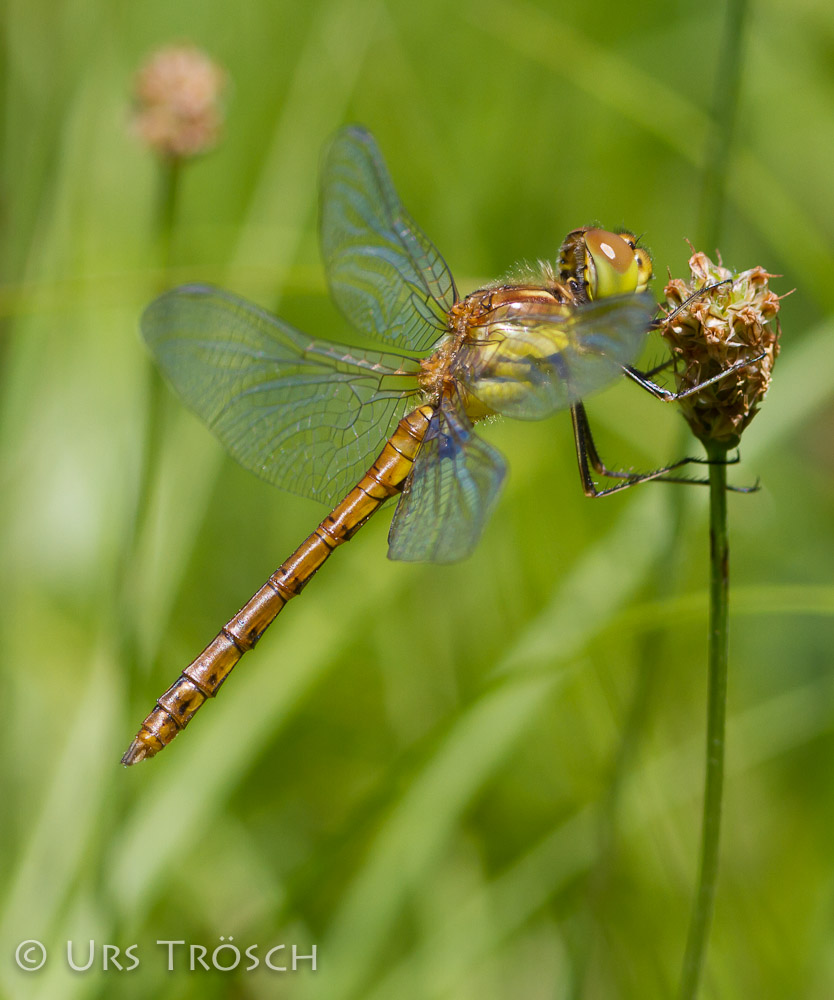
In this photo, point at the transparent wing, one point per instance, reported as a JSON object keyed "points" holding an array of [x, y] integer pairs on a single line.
{"points": [[307, 415], [449, 495], [528, 363], [385, 275]]}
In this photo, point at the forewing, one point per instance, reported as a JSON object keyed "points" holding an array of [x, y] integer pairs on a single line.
{"points": [[449, 495], [307, 415], [531, 362], [386, 276]]}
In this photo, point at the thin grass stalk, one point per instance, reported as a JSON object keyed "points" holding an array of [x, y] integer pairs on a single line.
{"points": [[724, 111], [607, 829], [165, 214], [170, 172], [704, 902]]}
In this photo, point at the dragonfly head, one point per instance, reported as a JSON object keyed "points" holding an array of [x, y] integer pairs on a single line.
{"points": [[600, 263]]}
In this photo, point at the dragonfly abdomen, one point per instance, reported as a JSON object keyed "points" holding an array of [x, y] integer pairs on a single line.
{"points": [[203, 677]]}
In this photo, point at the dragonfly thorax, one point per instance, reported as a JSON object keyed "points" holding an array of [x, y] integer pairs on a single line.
{"points": [[479, 327]]}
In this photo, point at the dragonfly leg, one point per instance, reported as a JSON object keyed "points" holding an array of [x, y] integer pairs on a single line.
{"points": [[665, 320], [643, 379], [588, 459]]}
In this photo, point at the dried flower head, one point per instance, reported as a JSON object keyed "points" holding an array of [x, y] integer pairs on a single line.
{"points": [[722, 325], [177, 102]]}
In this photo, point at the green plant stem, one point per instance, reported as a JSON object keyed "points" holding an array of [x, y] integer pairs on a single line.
{"points": [[703, 906], [170, 171]]}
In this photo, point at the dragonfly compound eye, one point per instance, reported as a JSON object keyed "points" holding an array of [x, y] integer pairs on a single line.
{"points": [[613, 265], [644, 268]]}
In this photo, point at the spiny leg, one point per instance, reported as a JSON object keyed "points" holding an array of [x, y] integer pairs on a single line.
{"points": [[669, 317], [643, 379], [588, 458]]}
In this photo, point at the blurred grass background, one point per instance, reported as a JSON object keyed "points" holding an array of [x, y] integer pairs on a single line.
{"points": [[473, 781]]}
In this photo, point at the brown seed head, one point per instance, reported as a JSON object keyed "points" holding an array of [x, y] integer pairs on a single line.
{"points": [[177, 102], [717, 329]]}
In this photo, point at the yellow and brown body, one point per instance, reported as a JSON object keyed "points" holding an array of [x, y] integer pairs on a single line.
{"points": [[202, 678]]}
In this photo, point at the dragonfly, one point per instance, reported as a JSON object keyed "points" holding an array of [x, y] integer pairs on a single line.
{"points": [[354, 427]]}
